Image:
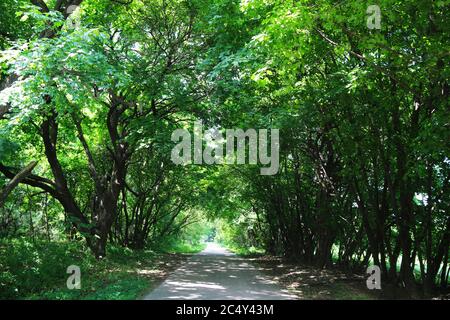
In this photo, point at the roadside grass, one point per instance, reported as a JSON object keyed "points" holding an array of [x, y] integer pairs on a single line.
{"points": [[184, 247], [38, 270], [246, 252]]}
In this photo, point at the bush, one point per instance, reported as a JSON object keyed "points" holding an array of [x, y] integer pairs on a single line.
{"points": [[30, 267]]}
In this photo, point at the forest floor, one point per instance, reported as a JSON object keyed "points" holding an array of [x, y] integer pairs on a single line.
{"points": [[312, 283], [308, 282]]}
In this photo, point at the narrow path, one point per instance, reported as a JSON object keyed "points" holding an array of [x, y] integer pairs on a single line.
{"points": [[216, 274]]}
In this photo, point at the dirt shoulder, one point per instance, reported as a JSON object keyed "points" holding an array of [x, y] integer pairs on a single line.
{"points": [[310, 283]]}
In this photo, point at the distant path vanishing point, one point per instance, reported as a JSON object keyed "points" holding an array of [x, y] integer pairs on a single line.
{"points": [[217, 274]]}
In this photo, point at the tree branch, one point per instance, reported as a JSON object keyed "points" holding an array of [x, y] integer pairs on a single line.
{"points": [[41, 4], [15, 182], [91, 163], [30, 179]]}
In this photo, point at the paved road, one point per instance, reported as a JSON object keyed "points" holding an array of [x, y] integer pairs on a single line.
{"points": [[216, 274]]}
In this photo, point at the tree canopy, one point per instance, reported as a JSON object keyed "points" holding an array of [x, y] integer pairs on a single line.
{"points": [[91, 91]]}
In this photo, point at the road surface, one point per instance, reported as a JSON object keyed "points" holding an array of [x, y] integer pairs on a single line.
{"points": [[216, 274]]}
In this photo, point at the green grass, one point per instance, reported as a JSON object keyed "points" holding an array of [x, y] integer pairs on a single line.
{"points": [[185, 248], [38, 270], [242, 251]]}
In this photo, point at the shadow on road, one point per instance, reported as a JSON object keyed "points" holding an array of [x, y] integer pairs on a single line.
{"points": [[217, 274]]}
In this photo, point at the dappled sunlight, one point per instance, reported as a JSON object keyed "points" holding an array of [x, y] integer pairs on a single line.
{"points": [[183, 285], [307, 282], [149, 272], [217, 274]]}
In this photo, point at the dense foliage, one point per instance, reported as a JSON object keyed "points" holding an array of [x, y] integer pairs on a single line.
{"points": [[93, 96]]}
